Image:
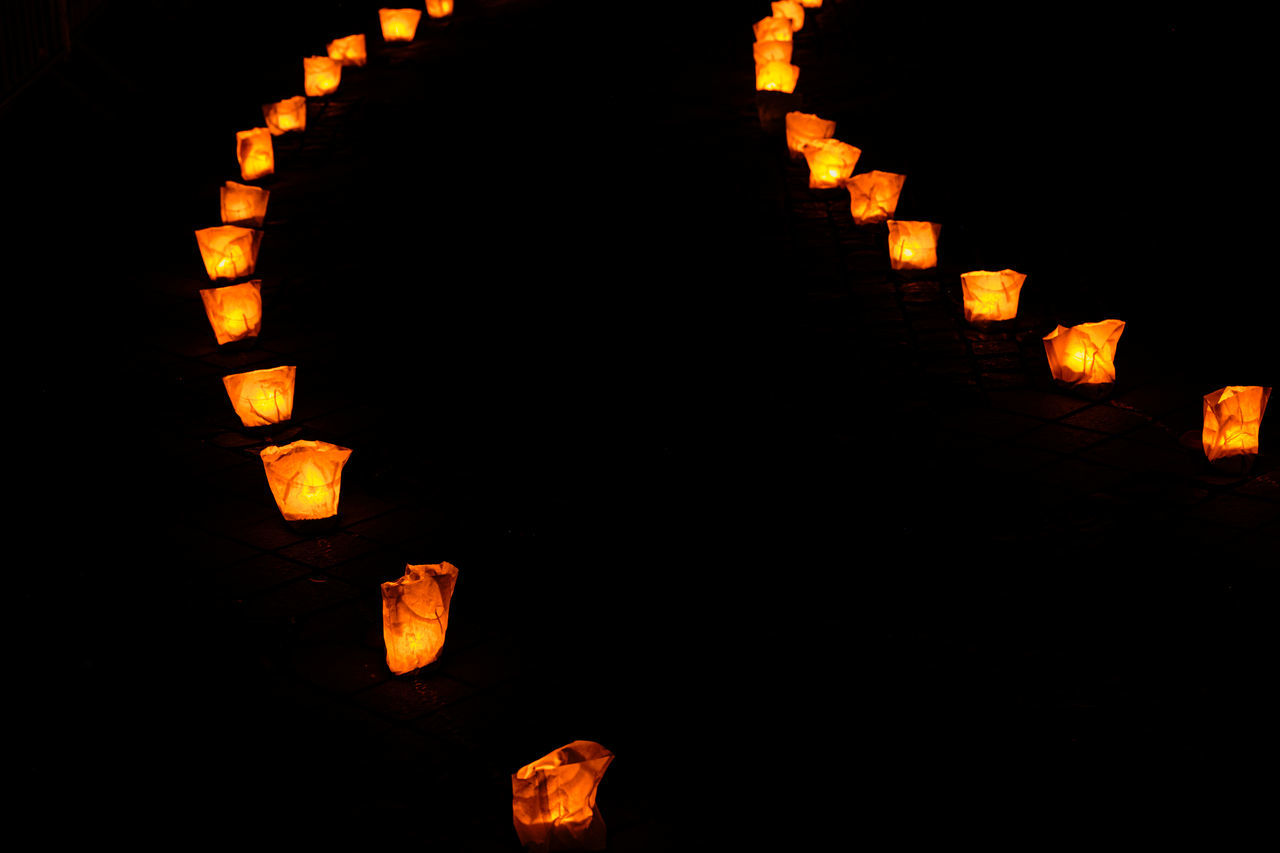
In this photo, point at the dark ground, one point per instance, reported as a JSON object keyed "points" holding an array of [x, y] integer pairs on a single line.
{"points": [[774, 525]]}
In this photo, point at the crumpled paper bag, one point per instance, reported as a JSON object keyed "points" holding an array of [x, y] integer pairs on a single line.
{"points": [[554, 799], [415, 615]]}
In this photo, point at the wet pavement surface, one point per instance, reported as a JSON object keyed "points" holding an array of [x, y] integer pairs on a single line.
{"points": [[726, 494]]}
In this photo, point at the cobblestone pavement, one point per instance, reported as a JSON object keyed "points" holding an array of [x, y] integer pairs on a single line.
{"points": [[726, 494]]}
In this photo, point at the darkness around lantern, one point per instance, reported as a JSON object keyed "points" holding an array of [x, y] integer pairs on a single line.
{"points": [[548, 289]]}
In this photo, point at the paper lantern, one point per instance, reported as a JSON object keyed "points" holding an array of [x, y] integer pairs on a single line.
{"points": [[773, 29], [255, 153], [320, 76], [243, 204], [262, 397], [873, 196], [789, 9], [1084, 354], [991, 296], [803, 128], [771, 51], [228, 251], [439, 8], [554, 799], [415, 615], [913, 245], [777, 77], [284, 116], [830, 162], [399, 24], [811, 4], [348, 50], [1232, 420], [234, 311], [305, 478]]}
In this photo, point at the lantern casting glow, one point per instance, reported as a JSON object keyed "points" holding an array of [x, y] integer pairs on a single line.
{"points": [[235, 311], [305, 478], [831, 162], [913, 245], [320, 76], [243, 204], [773, 29], [789, 9], [873, 196], [1232, 420], [804, 128], [553, 801], [1084, 354], [228, 251], [284, 116], [399, 24], [415, 615], [771, 51], [439, 8], [991, 296], [349, 50], [777, 77], [255, 153], [262, 397]]}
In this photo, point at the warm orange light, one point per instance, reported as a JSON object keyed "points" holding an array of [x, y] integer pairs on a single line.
{"points": [[803, 128], [1232, 420], [991, 296], [776, 77], [773, 29], [284, 116], [235, 311], [789, 9], [243, 204], [771, 51], [415, 615], [439, 8], [873, 196], [554, 799], [830, 162], [262, 397], [320, 76], [348, 50], [399, 24], [811, 4], [913, 245], [305, 478], [228, 251], [255, 153], [1084, 354]]}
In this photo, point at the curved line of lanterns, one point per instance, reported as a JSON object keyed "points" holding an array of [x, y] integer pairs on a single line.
{"points": [[1081, 358], [553, 798]]}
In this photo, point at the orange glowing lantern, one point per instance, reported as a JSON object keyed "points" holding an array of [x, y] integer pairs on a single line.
{"points": [[913, 245], [349, 50], [803, 128], [831, 162], [305, 478], [243, 204], [439, 8], [255, 153], [873, 196], [1084, 354], [771, 51], [773, 29], [811, 4], [235, 311], [415, 615], [284, 116], [991, 296], [399, 24], [777, 77], [321, 76], [1232, 420], [554, 799], [790, 9], [262, 397], [228, 251]]}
